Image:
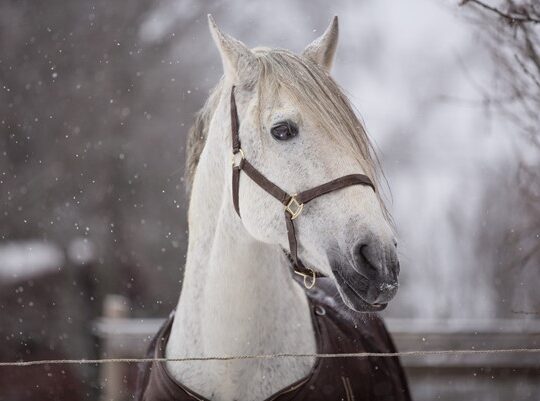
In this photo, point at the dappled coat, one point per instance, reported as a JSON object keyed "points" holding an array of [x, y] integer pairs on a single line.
{"points": [[338, 330]]}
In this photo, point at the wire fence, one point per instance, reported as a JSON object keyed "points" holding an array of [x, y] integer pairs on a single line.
{"points": [[273, 356]]}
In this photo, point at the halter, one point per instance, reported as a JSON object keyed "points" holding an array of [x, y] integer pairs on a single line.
{"points": [[294, 204]]}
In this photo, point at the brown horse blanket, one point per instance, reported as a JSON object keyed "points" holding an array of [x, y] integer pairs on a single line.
{"points": [[338, 330]]}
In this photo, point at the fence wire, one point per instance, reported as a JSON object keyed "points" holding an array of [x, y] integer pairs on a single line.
{"points": [[273, 356]]}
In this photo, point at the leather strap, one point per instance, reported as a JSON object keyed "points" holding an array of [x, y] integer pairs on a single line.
{"points": [[235, 124], [297, 201], [236, 149], [334, 185], [265, 183], [236, 186]]}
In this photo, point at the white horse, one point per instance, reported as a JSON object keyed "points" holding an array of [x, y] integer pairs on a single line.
{"points": [[238, 296]]}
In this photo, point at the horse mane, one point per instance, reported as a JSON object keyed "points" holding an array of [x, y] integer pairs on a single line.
{"points": [[317, 95], [198, 133]]}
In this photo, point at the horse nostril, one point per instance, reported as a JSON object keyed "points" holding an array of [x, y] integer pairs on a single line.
{"points": [[363, 259], [376, 261]]}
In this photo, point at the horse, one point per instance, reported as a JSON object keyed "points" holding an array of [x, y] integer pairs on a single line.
{"points": [[296, 148]]}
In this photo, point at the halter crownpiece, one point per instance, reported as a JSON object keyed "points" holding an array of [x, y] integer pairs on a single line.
{"points": [[294, 204]]}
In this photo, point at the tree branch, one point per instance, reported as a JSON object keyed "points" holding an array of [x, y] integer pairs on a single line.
{"points": [[526, 71], [511, 18]]}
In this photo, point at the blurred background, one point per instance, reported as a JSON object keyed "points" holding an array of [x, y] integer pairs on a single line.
{"points": [[96, 99]]}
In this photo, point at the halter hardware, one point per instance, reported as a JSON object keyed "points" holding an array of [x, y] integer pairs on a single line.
{"points": [[309, 279], [238, 158], [294, 204], [294, 207]]}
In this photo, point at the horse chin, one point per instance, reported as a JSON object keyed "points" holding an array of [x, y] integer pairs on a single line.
{"points": [[353, 300]]}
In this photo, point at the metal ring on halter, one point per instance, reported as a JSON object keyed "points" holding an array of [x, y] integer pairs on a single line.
{"points": [[313, 276], [235, 160]]}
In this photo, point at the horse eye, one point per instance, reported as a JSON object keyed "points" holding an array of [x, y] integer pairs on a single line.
{"points": [[284, 130]]}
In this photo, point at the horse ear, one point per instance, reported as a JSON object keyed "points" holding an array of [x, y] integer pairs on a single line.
{"points": [[323, 49], [239, 63]]}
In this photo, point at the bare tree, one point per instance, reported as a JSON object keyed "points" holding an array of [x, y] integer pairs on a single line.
{"points": [[511, 31]]}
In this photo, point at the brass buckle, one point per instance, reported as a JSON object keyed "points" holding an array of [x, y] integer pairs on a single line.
{"points": [[238, 157], [294, 207], [309, 279]]}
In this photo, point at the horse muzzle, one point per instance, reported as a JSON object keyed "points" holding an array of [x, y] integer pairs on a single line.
{"points": [[368, 280]]}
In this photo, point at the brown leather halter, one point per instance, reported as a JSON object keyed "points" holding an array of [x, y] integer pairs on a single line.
{"points": [[294, 204]]}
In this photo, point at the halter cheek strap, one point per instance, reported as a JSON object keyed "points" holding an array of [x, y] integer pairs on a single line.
{"points": [[293, 204]]}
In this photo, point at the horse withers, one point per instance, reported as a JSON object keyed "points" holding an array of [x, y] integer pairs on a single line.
{"points": [[281, 125]]}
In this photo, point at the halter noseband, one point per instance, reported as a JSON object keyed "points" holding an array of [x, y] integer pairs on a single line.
{"points": [[294, 204]]}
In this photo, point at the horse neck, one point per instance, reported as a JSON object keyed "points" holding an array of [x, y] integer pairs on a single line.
{"points": [[238, 296]]}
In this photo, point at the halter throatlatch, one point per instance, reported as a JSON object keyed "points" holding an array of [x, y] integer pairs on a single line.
{"points": [[293, 204]]}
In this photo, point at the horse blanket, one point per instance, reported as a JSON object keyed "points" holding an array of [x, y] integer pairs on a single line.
{"points": [[338, 330]]}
